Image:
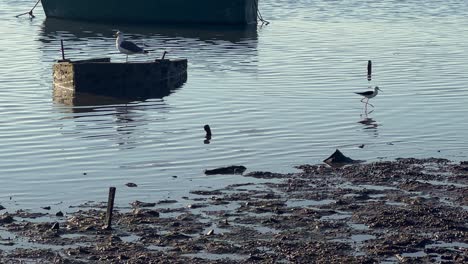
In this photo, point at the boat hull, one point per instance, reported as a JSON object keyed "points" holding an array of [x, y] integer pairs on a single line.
{"points": [[229, 12]]}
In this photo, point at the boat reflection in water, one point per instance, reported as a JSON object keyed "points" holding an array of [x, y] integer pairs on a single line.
{"points": [[52, 28]]}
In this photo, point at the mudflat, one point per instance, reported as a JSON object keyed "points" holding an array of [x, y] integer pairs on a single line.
{"points": [[407, 210]]}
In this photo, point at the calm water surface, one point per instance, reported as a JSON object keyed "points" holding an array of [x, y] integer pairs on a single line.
{"points": [[275, 97]]}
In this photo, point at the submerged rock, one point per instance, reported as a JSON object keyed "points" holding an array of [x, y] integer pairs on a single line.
{"points": [[6, 219], [145, 213], [227, 170], [142, 204], [339, 159]]}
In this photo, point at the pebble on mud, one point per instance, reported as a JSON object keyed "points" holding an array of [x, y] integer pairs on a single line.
{"points": [[6, 219], [142, 204]]}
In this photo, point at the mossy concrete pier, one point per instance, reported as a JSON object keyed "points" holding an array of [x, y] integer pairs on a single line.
{"points": [[123, 80]]}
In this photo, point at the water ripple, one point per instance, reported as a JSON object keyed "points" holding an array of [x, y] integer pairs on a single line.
{"points": [[275, 96]]}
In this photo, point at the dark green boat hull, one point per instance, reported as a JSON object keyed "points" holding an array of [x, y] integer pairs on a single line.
{"points": [[229, 12]]}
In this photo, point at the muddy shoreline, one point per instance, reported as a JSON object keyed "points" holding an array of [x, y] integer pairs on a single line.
{"points": [[407, 210]]}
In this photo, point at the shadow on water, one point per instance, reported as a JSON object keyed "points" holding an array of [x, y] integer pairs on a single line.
{"points": [[52, 28], [86, 103], [115, 119], [83, 103]]}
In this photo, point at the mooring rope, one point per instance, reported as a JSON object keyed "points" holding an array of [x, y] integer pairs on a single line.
{"points": [[30, 12], [259, 15]]}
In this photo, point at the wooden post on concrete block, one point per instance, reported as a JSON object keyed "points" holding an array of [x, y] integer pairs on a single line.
{"points": [[110, 207], [369, 70], [63, 49]]}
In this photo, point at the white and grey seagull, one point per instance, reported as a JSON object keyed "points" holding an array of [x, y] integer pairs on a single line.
{"points": [[127, 47]]}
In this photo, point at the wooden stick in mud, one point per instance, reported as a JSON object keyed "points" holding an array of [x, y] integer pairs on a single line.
{"points": [[110, 207]]}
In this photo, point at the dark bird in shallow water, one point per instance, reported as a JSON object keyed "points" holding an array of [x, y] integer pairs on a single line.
{"points": [[368, 95]]}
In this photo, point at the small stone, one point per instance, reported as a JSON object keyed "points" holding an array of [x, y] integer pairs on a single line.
{"points": [[1, 207], [59, 214], [167, 201], [211, 232], [142, 204], [46, 207], [6, 219], [195, 206], [145, 213], [131, 184]]}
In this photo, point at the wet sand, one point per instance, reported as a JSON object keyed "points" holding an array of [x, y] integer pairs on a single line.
{"points": [[408, 210]]}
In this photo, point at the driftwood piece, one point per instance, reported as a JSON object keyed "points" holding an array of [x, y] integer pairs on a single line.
{"points": [[227, 170]]}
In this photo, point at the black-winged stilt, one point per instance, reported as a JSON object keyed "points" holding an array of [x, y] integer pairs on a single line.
{"points": [[368, 95]]}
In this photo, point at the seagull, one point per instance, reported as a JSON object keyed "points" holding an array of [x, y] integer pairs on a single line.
{"points": [[368, 95], [127, 47]]}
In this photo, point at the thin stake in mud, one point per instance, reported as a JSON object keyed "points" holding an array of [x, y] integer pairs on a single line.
{"points": [[110, 207], [208, 134]]}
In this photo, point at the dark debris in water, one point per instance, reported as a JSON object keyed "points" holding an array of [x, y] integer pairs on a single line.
{"points": [[226, 170], [408, 210]]}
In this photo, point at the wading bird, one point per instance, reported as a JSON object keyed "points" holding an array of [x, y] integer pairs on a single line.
{"points": [[368, 95]]}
